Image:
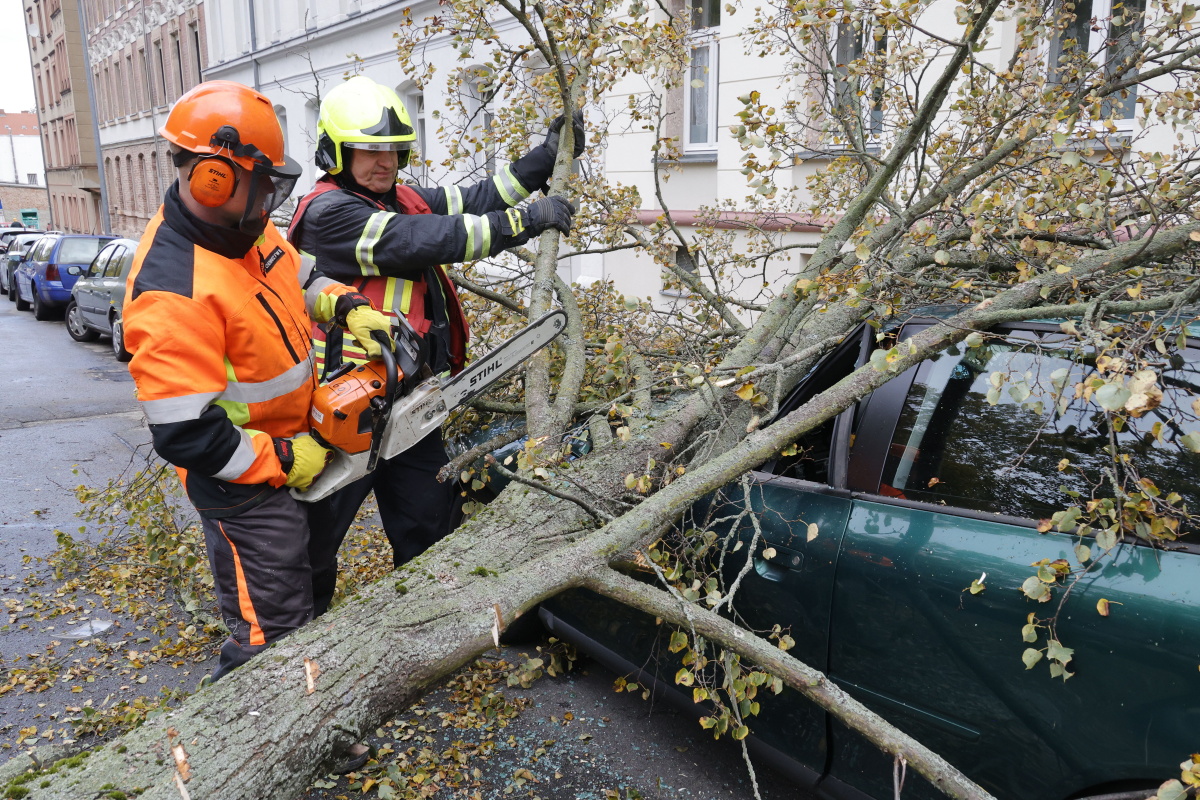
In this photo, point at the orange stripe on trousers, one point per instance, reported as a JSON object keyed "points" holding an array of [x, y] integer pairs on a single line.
{"points": [[244, 603]]}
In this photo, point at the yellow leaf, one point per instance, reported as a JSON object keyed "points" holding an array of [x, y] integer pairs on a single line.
{"points": [[1194, 236], [1102, 607], [746, 392]]}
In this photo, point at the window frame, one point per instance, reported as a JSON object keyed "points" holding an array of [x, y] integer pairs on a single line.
{"points": [[880, 410], [702, 37], [1100, 46]]}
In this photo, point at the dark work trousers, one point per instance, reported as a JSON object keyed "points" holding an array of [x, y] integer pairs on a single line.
{"points": [[414, 506], [261, 574]]}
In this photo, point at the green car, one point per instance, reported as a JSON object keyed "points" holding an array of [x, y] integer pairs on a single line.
{"points": [[923, 490]]}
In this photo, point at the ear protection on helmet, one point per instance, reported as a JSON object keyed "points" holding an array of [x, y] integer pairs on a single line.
{"points": [[212, 180]]}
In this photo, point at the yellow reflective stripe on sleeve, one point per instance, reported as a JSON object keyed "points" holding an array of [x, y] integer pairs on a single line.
{"points": [[364, 250], [238, 413], [511, 190], [479, 237], [454, 201], [241, 460]]}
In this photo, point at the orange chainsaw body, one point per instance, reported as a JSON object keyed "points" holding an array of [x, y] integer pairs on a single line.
{"points": [[342, 409]]}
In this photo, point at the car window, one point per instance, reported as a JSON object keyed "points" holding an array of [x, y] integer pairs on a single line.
{"points": [[952, 446], [41, 250], [116, 265], [99, 263], [79, 250], [808, 458]]}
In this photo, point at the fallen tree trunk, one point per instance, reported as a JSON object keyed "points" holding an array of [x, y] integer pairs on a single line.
{"points": [[267, 729]]}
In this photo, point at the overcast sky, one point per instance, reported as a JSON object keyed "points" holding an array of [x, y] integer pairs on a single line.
{"points": [[16, 80]]}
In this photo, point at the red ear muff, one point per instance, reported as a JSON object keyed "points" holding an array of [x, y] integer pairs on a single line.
{"points": [[212, 181]]}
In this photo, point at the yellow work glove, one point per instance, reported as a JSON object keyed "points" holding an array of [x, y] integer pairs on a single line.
{"points": [[355, 313], [303, 458]]}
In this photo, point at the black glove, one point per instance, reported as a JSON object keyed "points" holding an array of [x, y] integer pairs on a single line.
{"points": [[548, 212], [551, 142]]}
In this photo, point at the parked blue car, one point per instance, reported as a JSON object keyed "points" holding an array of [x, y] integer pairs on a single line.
{"points": [[45, 278]]}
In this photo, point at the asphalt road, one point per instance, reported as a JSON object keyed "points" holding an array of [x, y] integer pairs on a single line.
{"points": [[67, 407]]}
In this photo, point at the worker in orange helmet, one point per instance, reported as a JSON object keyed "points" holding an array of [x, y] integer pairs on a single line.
{"points": [[218, 313]]}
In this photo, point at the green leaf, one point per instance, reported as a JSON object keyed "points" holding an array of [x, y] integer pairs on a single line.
{"points": [[879, 361], [1056, 651], [1083, 553], [1070, 158], [1019, 392], [1171, 790], [974, 339], [684, 678], [1031, 657], [1029, 633], [679, 641], [1191, 441], [1106, 539], [1112, 396], [1034, 589], [942, 257], [862, 252]]}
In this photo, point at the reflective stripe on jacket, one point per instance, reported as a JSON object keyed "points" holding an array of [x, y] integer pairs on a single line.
{"points": [[222, 358], [393, 257]]}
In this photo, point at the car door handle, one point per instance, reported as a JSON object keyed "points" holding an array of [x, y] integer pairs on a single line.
{"points": [[777, 568]]}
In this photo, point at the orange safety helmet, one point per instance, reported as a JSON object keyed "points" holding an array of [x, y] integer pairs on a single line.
{"points": [[227, 123]]}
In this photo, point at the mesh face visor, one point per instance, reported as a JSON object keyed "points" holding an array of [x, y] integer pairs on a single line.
{"points": [[271, 185]]}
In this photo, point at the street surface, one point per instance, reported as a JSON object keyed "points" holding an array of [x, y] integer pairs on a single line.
{"points": [[66, 407]]}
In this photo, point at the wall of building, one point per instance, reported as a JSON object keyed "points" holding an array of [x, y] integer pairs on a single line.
{"points": [[15, 197], [64, 113], [143, 56]]}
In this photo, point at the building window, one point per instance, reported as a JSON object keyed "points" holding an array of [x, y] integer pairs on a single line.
{"points": [[671, 283], [858, 102], [1098, 33], [194, 29], [32, 179], [700, 93], [414, 101], [162, 73], [480, 116], [178, 61]]}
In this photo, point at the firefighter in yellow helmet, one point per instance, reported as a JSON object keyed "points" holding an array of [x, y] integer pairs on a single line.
{"points": [[390, 240], [217, 315]]}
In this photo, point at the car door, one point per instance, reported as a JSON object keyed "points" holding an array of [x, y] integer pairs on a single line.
{"points": [[948, 485], [86, 291], [113, 285], [790, 517], [34, 264]]}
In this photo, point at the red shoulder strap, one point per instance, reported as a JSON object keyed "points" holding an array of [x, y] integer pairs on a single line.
{"points": [[410, 201]]}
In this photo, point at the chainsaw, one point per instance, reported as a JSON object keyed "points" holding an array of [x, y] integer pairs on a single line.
{"points": [[365, 412]]}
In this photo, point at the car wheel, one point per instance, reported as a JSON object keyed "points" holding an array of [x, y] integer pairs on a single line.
{"points": [[79, 332], [12, 289], [40, 310], [118, 341], [22, 303]]}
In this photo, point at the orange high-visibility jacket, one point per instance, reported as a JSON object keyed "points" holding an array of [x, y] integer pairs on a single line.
{"points": [[218, 326]]}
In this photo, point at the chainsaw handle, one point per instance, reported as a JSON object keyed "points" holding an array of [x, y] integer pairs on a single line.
{"points": [[388, 354]]}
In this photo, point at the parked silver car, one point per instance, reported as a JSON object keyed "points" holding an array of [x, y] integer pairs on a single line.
{"points": [[96, 299], [14, 251]]}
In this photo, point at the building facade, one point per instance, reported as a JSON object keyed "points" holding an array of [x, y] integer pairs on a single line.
{"points": [[61, 87], [143, 55], [22, 169]]}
